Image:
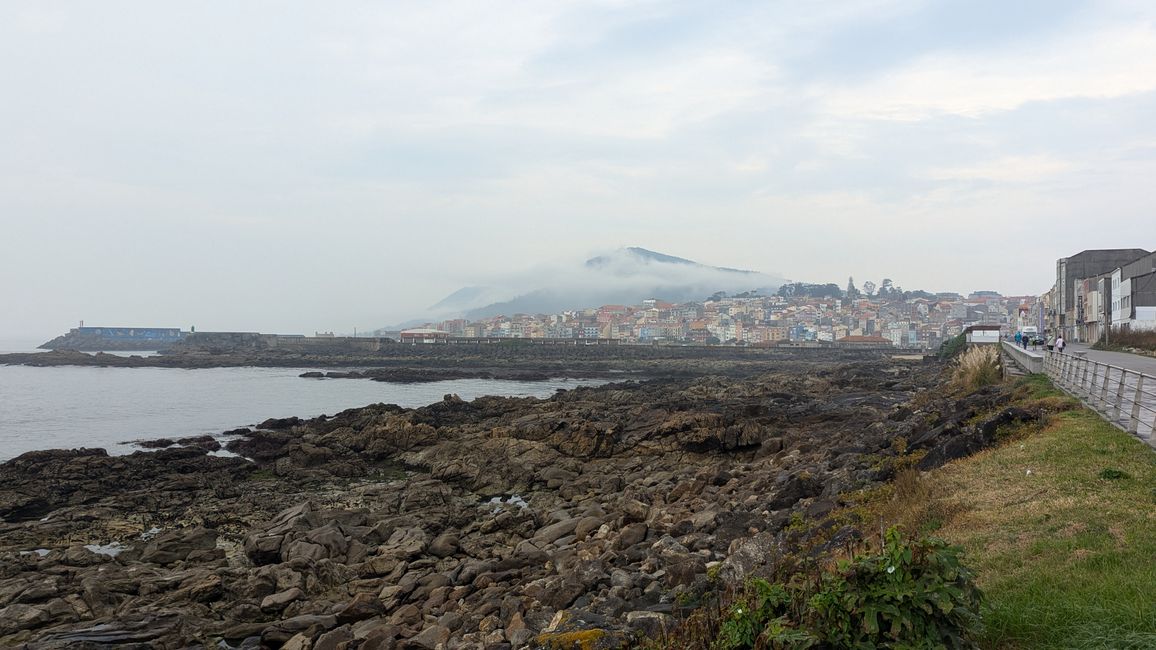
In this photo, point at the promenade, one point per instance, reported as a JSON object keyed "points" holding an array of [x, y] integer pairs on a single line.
{"points": [[1146, 365]]}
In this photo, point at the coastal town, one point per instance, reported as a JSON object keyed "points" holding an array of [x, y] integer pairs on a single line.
{"points": [[839, 317], [1094, 290], [1096, 293]]}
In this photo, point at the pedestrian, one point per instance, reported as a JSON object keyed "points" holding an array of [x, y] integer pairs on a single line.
{"points": [[1060, 343], [1026, 339], [1019, 337]]}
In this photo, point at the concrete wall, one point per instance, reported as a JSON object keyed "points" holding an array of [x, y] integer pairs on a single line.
{"points": [[1032, 362]]}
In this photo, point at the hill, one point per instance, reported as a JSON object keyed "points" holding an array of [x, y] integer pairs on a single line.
{"points": [[626, 276]]}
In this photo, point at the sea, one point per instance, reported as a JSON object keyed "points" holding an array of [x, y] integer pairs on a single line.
{"points": [[66, 407]]}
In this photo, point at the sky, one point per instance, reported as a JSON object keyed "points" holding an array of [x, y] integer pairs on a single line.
{"points": [[299, 166]]}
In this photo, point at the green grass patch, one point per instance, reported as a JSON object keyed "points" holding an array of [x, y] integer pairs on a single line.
{"points": [[1060, 529]]}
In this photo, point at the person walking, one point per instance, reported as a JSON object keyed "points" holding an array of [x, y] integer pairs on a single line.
{"points": [[1060, 343], [1019, 337]]}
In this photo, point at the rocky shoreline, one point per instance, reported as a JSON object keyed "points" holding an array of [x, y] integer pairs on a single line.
{"points": [[509, 360], [581, 520]]}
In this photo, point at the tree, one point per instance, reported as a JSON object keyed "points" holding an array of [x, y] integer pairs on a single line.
{"points": [[886, 288], [869, 288]]}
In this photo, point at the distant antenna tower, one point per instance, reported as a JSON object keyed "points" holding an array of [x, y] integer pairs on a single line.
{"points": [[82, 323]]}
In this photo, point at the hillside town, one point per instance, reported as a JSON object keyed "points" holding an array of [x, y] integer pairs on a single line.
{"points": [[803, 315], [1094, 289]]}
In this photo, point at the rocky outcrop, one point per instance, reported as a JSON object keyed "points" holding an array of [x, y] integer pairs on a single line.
{"points": [[497, 523]]}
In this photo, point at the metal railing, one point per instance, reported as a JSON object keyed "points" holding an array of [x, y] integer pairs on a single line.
{"points": [[1124, 397]]}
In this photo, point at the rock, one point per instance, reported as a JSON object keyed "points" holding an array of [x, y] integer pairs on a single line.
{"points": [[299, 641], [206, 589], [428, 639], [177, 545], [14, 618], [278, 601], [406, 615], [634, 510], [264, 549], [551, 533], [280, 632], [652, 625], [632, 534], [444, 545], [337, 639], [362, 606], [80, 556]]}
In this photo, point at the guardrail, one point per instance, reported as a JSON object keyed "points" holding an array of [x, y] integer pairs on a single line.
{"points": [[1124, 397]]}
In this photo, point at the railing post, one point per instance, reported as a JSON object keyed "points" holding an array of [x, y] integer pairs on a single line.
{"points": [[1084, 377], [1134, 422], [1119, 396], [1104, 387]]}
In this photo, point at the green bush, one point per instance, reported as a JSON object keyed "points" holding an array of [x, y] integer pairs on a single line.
{"points": [[952, 347], [909, 595], [916, 595]]}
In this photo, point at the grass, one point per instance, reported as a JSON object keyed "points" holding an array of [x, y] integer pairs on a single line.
{"points": [[1059, 524]]}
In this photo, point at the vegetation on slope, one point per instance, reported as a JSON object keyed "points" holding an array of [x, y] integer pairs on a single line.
{"points": [[1059, 526]]}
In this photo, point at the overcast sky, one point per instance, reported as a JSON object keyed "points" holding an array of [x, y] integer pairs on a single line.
{"points": [[300, 166]]}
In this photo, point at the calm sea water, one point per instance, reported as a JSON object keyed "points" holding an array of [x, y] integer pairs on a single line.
{"points": [[67, 407]]}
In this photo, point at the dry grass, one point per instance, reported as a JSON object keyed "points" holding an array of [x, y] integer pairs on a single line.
{"points": [[977, 367], [1119, 339]]}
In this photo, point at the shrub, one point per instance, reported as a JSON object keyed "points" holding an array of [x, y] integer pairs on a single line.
{"points": [[952, 347], [910, 595], [977, 367], [1119, 339], [907, 595]]}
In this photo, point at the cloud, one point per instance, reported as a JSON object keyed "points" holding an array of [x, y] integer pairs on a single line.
{"points": [[1112, 62], [1010, 169]]}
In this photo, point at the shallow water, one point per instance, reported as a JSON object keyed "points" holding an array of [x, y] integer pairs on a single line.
{"points": [[68, 407]]}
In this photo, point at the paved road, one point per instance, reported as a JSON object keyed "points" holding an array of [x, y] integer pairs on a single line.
{"points": [[1146, 365]]}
